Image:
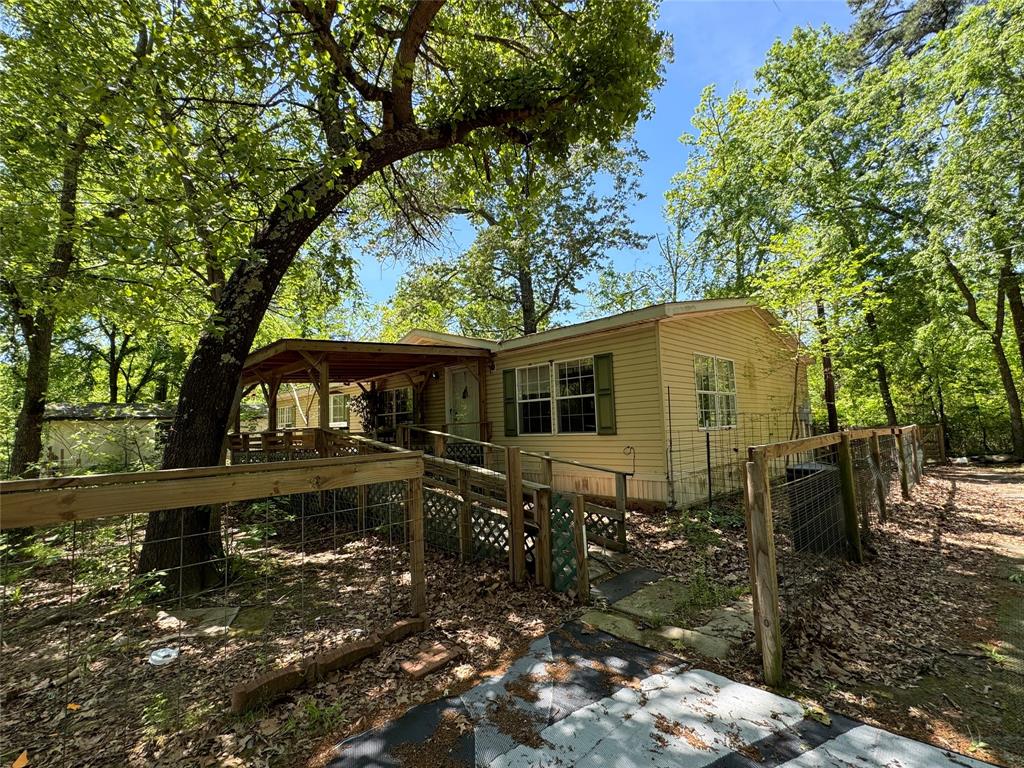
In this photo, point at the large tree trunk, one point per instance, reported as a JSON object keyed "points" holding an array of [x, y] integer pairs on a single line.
{"points": [[1012, 281], [995, 335], [881, 371], [180, 543], [527, 300], [1012, 398], [28, 431], [826, 368]]}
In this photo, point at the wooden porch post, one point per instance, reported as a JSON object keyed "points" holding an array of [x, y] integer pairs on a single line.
{"points": [[465, 517], [275, 385], [482, 366], [620, 506], [325, 393]]}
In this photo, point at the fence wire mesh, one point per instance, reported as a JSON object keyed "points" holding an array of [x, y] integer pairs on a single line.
{"points": [[820, 518], [102, 665], [706, 466]]}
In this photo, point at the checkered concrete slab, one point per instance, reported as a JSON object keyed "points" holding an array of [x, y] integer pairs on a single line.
{"points": [[583, 697]]}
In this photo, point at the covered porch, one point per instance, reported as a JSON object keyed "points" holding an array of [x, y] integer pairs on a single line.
{"points": [[370, 371]]}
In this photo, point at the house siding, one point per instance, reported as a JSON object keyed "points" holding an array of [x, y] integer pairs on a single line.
{"points": [[768, 377], [637, 409]]}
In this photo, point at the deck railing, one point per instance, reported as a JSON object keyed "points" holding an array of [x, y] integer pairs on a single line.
{"points": [[467, 504], [605, 525]]}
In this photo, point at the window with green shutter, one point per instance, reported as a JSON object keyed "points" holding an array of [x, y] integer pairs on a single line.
{"points": [[508, 382], [604, 385]]}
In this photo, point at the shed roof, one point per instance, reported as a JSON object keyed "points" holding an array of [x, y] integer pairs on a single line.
{"points": [[292, 360], [107, 411]]}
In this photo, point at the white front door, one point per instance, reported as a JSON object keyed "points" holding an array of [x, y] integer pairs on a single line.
{"points": [[463, 403]]}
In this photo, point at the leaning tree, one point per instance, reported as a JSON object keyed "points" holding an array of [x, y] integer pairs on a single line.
{"points": [[355, 94]]}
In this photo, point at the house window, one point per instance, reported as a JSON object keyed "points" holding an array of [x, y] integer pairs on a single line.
{"points": [[394, 406], [285, 416], [574, 395], [533, 399], [339, 411], [716, 392]]}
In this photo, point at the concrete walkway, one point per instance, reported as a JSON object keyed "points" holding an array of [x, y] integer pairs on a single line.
{"points": [[587, 698]]}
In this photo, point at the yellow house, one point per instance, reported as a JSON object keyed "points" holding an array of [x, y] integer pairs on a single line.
{"points": [[671, 394]]}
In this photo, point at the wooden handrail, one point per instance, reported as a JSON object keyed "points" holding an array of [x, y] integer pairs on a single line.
{"points": [[802, 444], [60, 500], [574, 463], [449, 436]]}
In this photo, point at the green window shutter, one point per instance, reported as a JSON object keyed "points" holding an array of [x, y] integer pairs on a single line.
{"points": [[604, 384], [508, 380]]}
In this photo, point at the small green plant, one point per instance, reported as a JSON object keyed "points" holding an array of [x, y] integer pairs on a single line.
{"points": [[158, 715], [1017, 577], [313, 717]]}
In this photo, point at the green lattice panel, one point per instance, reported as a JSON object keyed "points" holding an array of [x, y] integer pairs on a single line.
{"points": [[601, 525], [441, 520], [344, 502], [384, 506], [563, 545], [490, 534]]}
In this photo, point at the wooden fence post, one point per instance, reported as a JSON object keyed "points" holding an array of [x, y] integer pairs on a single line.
{"points": [[848, 486], [516, 525], [919, 451], [439, 446], [901, 457], [762, 559], [751, 560], [620, 505], [416, 565], [465, 517], [546, 472], [579, 529], [542, 552], [876, 459]]}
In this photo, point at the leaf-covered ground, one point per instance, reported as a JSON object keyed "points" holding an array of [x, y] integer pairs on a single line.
{"points": [[925, 639], [77, 689]]}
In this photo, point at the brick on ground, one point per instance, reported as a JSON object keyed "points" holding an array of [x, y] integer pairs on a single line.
{"points": [[430, 660]]}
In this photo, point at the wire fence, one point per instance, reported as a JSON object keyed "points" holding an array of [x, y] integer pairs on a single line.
{"points": [[104, 664], [812, 505], [707, 466]]}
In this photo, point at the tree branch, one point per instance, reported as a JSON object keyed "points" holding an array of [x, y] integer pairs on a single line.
{"points": [[405, 61]]}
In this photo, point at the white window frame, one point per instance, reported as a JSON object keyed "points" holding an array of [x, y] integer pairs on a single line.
{"points": [[553, 396], [393, 413], [283, 423], [556, 397], [343, 423], [551, 399], [716, 393]]}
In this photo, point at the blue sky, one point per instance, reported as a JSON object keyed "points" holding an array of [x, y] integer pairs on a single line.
{"points": [[715, 41]]}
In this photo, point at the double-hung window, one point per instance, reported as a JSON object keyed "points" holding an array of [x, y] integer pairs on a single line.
{"points": [[394, 406], [716, 392], [285, 416], [533, 399], [574, 395], [557, 397], [339, 411]]}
